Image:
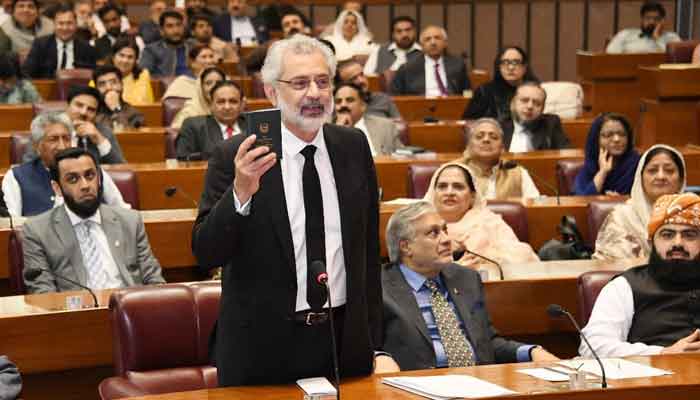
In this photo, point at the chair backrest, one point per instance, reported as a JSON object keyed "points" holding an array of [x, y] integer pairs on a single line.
{"points": [[20, 144], [566, 175], [161, 335], [419, 179], [589, 285], [170, 137], [128, 186], [681, 52], [598, 210], [564, 99], [16, 262], [515, 215], [71, 77], [171, 106]]}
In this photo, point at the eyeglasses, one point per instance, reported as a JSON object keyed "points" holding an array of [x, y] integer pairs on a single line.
{"points": [[511, 63], [322, 82], [610, 134]]}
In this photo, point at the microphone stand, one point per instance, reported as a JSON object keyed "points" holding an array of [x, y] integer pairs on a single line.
{"points": [[324, 280]]}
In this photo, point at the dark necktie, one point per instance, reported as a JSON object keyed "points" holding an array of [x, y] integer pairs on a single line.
{"points": [[64, 56], [457, 348], [441, 85], [315, 235]]}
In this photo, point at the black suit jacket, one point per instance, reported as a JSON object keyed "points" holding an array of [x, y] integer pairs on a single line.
{"points": [[406, 335], [42, 60], [547, 133], [259, 282], [410, 78], [222, 28], [200, 135]]}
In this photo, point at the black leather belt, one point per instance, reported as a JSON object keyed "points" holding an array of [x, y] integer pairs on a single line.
{"points": [[310, 318]]}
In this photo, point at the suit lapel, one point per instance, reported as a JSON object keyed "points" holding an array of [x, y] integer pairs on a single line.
{"points": [[53, 54], [420, 76], [213, 133], [115, 238], [462, 300], [66, 234], [450, 73], [399, 289], [272, 201]]}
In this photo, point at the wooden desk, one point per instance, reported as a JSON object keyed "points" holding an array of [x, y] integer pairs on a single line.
{"points": [[16, 117], [417, 108], [669, 100], [684, 383], [142, 145], [610, 81]]}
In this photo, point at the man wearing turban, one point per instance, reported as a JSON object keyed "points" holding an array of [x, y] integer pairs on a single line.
{"points": [[655, 308]]}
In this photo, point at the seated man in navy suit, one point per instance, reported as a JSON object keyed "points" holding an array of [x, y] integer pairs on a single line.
{"points": [[60, 50], [434, 310], [235, 26]]}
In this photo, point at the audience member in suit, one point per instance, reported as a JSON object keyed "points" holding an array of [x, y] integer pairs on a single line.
{"points": [[272, 15], [378, 103], [203, 34], [199, 57], [27, 187], [198, 7], [351, 110], [492, 100], [168, 56], [235, 26], [258, 206], [651, 37], [113, 111], [434, 73], [529, 129], [200, 104], [402, 48], [136, 80], [10, 379], [435, 312], [91, 243], [59, 51], [14, 89], [110, 15], [149, 29], [293, 22], [24, 26], [83, 103], [200, 136]]}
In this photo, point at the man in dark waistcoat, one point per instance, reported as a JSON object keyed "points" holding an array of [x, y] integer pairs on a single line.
{"points": [[655, 308]]}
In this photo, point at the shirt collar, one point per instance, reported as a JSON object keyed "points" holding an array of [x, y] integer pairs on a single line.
{"points": [[75, 219], [431, 62], [292, 145], [417, 281], [361, 124], [223, 126], [415, 46], [60, 42]]}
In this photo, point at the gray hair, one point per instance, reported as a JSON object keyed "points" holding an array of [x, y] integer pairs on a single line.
{"points": [[442, 30], [39, 123], [298, 44], [400, 227], [469, 129]]}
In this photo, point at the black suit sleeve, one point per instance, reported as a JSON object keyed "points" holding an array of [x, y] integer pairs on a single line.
{"points": [[398, 84], [186, 142], [32, 65], [479, 106], [559, 138]]}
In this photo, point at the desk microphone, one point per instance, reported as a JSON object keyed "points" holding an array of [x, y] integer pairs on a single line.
{"points": [[557, 311], [171, 191], [456, 255], [318, 268], [32, 274], [510, 164]]}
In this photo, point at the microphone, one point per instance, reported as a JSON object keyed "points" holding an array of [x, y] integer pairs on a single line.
{"points": [[557, 311], [456, 255], [510, 164], [171, 191], [34, 273], [318, 268]]}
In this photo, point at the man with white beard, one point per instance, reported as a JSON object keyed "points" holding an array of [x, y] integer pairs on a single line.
{"points": [[285, 222]]}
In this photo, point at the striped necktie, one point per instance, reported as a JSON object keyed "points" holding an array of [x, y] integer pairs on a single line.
{"points": [[92, 259]]}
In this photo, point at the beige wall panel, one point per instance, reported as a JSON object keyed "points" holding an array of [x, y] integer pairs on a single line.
{"points": [[405, 9], [571, 39], [542, 50], [486, 34], [377, 18], [324, 15], [600, 24], [431, 14], [629, 14], [514, 24], [458, 18]]}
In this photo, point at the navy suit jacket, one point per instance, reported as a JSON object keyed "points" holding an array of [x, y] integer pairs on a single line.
{"points": [[42, 60], [222, 28], [410, 78]]}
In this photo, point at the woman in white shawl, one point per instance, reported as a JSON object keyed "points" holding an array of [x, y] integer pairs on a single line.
{"points": [[350, 36], [623, 234], [470, 224]]}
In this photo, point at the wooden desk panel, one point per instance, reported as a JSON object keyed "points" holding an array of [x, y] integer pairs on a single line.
{"points": [[142, 145], [46, 88], [417, 108], [16, 117], [5, 150], [152, 113]]}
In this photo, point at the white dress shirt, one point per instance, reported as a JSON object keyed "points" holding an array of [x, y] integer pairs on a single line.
{"points": [[292, 165], [114, 278], [361, 125], [242, 28], [69, 54], [399, 53], [527, 186], [610, 323], [630, 41], [236, 129], [522, 139], [431, 85], [13, 194]]}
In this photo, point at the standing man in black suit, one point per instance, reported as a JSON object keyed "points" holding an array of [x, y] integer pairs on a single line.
{"points": [[237, 27], [268, 220], [60, 50], [199, 136], [529, 128], [433, 73], [434, 310]]}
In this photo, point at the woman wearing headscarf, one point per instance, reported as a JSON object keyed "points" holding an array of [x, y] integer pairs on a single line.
{"points": [[470, 224], [623, 235], [611, 159], [199, 105], [350, 36], [510, 68], [198, 58]]}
